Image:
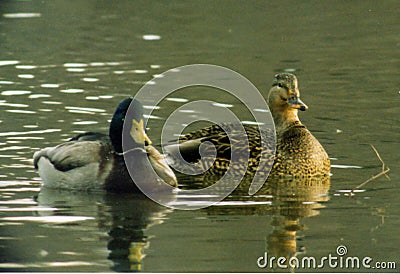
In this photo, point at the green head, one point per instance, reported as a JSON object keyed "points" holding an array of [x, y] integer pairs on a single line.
{"points": [[130, 110]]}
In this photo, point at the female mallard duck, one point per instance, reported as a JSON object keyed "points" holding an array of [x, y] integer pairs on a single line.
{"points": [[96, 161], [298, 152]]}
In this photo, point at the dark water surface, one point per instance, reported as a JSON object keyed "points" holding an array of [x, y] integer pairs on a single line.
{"points": [[64, 65]]}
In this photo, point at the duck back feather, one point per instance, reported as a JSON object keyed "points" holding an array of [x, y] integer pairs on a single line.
{"points": [[76, 164]]}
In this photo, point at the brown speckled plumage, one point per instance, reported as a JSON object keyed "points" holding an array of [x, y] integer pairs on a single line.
{"points": [[214, 139], [298, 153]]}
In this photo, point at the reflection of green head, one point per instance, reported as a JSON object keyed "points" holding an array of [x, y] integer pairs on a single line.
{"points": [[136, 255]]}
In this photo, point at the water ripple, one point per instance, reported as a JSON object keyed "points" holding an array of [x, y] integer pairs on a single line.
{"points": [[75, 65], [16, 133], [84, 109], [222, 105], [72, 90], [27, 209], [345, 166], [6, 82], [3, 103], [20, 111], [151, 37], [26, 76], [48, 219], [15, 92], [8, 62], [50, 85], [34, 96], [85, 123], [25, 67], [179, 100], [22, 15], [90, 79], [18, 202]]}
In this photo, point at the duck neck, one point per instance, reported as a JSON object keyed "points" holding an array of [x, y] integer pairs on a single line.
{"points": [[117, 134], [285, 119], [129, 144]]}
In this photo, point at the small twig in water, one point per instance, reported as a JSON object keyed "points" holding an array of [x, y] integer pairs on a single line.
{"points": [[380, 159], [383, 172]]}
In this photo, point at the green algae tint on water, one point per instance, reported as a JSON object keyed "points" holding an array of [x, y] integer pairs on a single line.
{"points": [[65, 65]]}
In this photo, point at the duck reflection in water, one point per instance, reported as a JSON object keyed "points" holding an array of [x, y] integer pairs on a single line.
{"points": [[292, 200], [123, 218], [129, 223], [295, 199]]}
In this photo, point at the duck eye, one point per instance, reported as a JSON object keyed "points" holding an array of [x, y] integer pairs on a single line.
{"points": [[281, 85]]}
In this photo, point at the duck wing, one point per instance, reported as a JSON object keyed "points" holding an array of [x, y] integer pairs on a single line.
{"points": [[204, 146], [80, 151], [205, 143]]}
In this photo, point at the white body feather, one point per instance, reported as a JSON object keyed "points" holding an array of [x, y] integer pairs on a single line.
{"points": [[78, 178], [84, 156]]}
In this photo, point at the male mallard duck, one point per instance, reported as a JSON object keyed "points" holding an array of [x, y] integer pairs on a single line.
{"points": [[96, 161], [298, 152]]}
